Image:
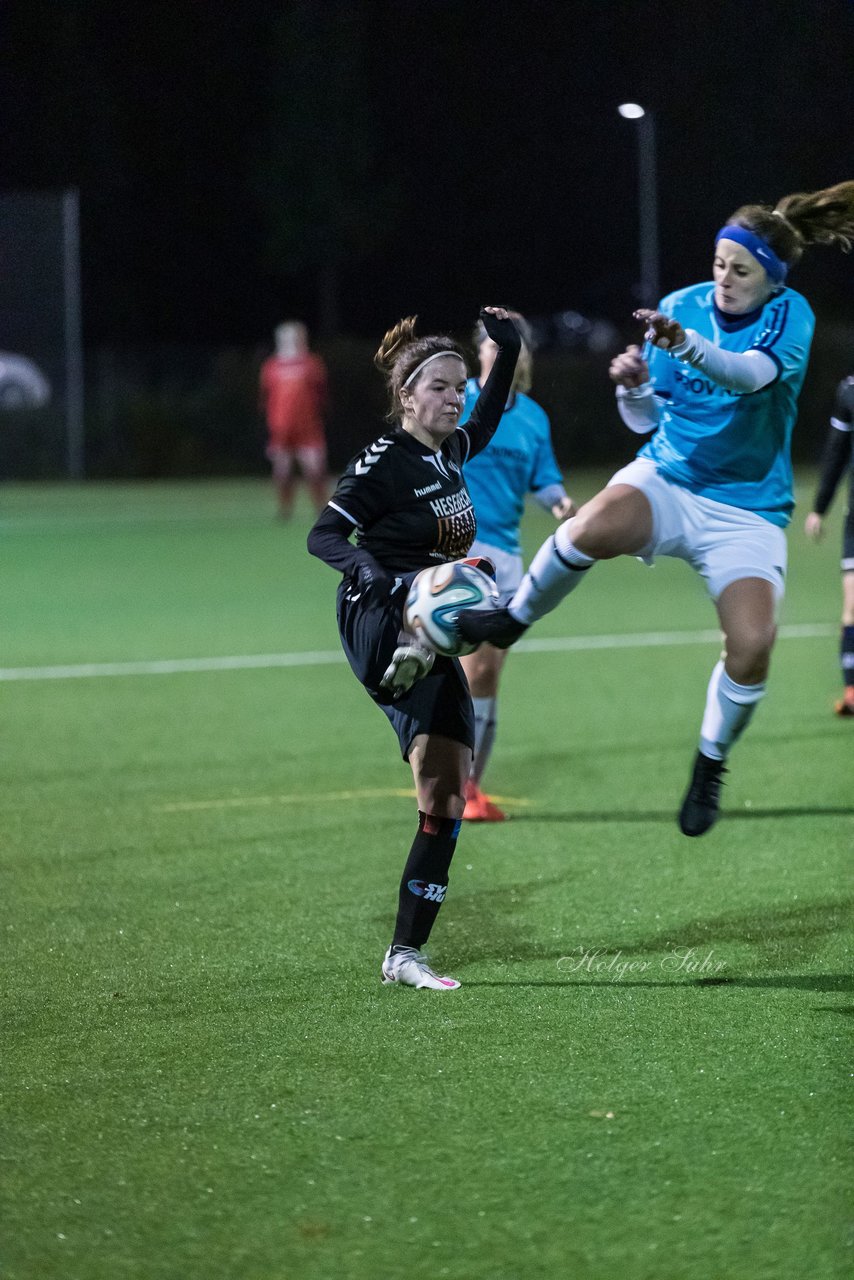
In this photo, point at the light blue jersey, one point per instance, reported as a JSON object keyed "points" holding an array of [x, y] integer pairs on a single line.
{"points": [[519, 459], [731, 447]]}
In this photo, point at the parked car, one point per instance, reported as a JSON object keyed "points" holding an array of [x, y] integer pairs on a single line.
{"points": [[22, 383]]}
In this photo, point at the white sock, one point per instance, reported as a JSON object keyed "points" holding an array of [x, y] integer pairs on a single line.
{"points": [[555, 570], [485, 721], [729, 709]]}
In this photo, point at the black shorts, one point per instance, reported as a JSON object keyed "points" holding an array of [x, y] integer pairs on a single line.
{"points": [[848, 541], [440, 703]]}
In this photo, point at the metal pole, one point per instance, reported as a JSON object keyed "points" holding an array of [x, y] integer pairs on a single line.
{"points": [[74, 428], [648, 210]]}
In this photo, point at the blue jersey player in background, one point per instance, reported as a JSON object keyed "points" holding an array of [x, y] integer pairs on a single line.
{"points": [[517, 461], [717, 385]]}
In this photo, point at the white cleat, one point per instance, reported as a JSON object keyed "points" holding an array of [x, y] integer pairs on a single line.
{"points": [[410, 968], [410, 663]]}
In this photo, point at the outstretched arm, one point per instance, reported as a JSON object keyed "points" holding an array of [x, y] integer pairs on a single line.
{"points": [[491, 402], [739, 371]]}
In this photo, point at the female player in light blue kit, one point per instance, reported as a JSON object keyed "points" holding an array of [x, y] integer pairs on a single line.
{"points": [[718, 384], [518, 460]]}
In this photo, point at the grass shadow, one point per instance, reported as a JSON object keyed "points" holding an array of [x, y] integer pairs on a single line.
{"points": [[493, 927], [668, 815], [827, 983]]}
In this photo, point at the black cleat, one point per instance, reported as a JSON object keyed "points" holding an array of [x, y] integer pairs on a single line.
{"points": [[702, 801], [495, 626]]}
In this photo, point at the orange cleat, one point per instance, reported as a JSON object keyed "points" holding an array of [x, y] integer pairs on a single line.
{"points": [[479, 808], [845, 705]]}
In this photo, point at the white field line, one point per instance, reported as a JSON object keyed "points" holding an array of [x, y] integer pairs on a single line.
{"points": [[173, 666], [323, 657]]}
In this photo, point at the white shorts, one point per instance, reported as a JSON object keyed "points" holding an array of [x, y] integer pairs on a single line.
{"points": [[723, 543], [509, 568]]}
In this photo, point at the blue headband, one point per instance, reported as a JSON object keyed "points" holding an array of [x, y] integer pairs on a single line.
{"points": [[759, 248]]}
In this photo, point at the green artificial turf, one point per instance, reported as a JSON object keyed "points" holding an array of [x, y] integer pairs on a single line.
{"points": [[642, 1075]]}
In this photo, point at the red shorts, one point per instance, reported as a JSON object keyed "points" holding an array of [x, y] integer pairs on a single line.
{"points": [[305, 436]]}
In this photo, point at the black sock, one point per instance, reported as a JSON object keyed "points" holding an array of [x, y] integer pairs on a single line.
{"points": [[425, 879], [846, 654]]}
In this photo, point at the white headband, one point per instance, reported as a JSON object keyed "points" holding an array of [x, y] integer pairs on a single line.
{"points": [[435, 356]]}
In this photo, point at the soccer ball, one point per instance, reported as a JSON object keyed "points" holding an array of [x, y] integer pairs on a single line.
{"points": [[436, 597]]}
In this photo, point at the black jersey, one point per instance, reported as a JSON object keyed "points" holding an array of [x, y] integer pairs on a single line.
{"points": [[408, 504], [839, 449]]}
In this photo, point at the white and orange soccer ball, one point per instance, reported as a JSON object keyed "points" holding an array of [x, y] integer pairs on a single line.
{"points": [[435, 598]]}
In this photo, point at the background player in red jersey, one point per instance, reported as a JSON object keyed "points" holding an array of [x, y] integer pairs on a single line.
{"points": [[839, 454], [293, 387]]}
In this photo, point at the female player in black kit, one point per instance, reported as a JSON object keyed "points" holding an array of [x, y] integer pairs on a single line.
{"points": [[839, 454], [406, 500]]}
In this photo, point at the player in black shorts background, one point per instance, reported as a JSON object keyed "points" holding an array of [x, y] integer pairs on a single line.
{"points": [[839, 454], [405, 499]]}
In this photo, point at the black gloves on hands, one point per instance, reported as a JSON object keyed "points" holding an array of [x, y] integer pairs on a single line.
{"points": [[502, 332], [370, 576]]}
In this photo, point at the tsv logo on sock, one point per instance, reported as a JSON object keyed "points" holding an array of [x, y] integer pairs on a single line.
{"points": [[429, 892]]}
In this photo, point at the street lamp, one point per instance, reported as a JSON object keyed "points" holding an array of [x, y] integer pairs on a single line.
{"points": [[647, 200]]}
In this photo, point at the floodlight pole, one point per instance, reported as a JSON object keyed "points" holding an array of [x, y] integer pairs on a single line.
{"points": [[648, 210], [649, 288], [74, 422]]}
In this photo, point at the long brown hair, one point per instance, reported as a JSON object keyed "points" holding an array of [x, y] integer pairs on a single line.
{"points": [[400, 352], [802, 219]]}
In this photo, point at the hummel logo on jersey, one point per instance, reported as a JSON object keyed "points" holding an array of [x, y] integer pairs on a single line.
{"points": [[371, 455], [429, 892], [430, 488]]}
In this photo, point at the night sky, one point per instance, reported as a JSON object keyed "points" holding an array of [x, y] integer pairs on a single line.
{"points": [[439, 154]]}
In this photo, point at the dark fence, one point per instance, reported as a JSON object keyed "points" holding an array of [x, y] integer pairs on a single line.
{"points": [[193, 411]]}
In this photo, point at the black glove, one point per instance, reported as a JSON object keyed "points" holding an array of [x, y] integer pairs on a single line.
{"points": [[370, 576], [502, 332]]}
